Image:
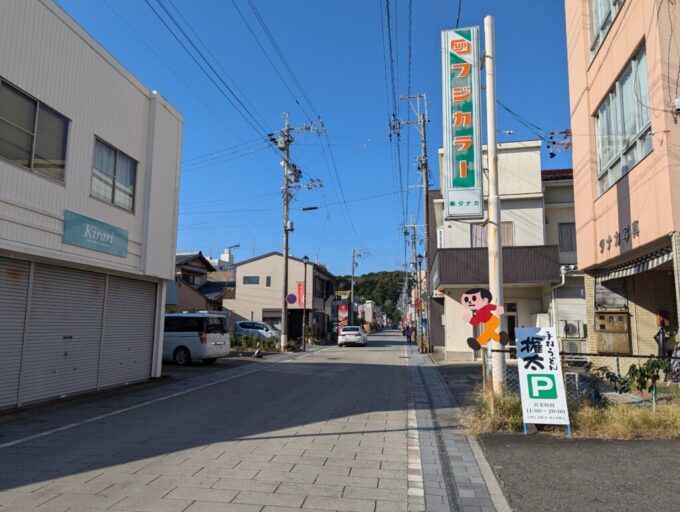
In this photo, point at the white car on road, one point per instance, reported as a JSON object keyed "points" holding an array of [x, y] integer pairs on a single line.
{"points": [[353, 334], [192, 336]]}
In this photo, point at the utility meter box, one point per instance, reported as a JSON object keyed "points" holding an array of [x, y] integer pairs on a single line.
{"points": [[612, 331]]}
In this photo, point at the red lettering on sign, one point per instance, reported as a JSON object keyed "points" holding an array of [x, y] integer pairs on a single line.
{"points": [[461, 47]]}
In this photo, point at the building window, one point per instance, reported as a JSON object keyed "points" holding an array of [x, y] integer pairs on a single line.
{"points": [[268, 281], [478, 234], [602, 15], [624, 133], [113, 176], [440, 238], [251, 279], [567, 237], [319, 287], [32, 134]]}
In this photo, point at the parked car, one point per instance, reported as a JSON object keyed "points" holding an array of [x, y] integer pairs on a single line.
{"points": [[195, 336], [260, 330], [353, 334]]}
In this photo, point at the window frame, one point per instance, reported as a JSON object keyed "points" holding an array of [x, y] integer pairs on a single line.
{"points": [[504, 224], [34, 134], [614, 100], [559, 236], [599, 34], [112, 202], [243, 281]]}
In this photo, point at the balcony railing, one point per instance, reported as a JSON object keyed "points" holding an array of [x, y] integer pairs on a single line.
{"points": [[538, 264]]}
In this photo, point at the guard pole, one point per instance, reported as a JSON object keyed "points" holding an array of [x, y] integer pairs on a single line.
{"points": [[494, 205]]}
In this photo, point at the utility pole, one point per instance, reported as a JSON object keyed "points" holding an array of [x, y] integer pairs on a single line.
{"points": [[422, 120], [424, 168], [291, 177], [286, 228], [417, 284], [494, 204], [355, 254]]}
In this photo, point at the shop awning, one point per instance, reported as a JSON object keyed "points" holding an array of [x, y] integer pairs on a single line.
{"points": [[636, 267]]}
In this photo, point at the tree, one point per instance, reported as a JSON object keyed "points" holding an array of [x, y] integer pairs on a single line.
{"points": [[383, 288]]}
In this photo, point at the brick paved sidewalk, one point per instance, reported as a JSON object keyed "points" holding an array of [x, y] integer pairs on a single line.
{"points": [[456, 476], [325, 431]]}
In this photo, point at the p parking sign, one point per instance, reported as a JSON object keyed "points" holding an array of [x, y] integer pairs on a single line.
{"points": [[542, 386], [540, 377]]}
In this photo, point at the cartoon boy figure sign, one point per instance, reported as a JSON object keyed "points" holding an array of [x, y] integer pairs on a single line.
{"points": [[482, 312]]}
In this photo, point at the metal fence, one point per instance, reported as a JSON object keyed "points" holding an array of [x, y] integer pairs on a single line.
{"points": [[578, 382]]}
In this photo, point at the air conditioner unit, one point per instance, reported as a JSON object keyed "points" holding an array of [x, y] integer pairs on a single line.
{"points": [[571, 347], [572, 328]]}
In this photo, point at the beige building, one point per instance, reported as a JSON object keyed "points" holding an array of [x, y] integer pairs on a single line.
{"points": [[623, 62], [542, 285], [89, 176], [259, 294]]}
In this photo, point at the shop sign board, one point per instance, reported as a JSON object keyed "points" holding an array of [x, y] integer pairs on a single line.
{"points": [[542, 390], [462, 190], [94, 234]]}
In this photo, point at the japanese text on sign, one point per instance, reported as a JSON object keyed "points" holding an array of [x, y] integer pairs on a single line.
{"points": [[462, 146], [540, 376]]}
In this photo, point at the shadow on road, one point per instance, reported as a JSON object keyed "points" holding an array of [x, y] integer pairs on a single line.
{"points": [[329, 393]]}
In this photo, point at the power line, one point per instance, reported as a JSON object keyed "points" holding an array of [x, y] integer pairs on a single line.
{"points": [[278, 51], [271, 62], [231, 97], [223, 150], [215, 59], [460, 5]]}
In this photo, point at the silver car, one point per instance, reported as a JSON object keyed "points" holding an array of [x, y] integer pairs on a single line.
{"points": [[192, 336], [255, 329], [353, 334]]}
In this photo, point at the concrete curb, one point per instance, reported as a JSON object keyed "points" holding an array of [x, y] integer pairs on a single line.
{"points": [[497, 496]]}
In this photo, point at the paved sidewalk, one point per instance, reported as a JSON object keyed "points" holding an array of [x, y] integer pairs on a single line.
{"points": [[322, 431], [455, 473]]}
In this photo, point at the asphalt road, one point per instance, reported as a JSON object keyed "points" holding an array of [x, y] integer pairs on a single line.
{"points": [[541, 472]]}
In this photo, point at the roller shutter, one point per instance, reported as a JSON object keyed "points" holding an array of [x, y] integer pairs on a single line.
{"points": [[64, 333], [128, 332], [14, 276], [571, 303]]}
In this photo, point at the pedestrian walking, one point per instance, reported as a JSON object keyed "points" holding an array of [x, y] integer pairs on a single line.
{"points": [[408, 331]]}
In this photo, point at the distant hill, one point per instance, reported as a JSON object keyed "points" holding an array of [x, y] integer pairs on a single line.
{"points": [[383, 288]]}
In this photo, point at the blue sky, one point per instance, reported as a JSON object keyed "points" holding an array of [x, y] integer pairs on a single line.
{"points": [[231, 179]]}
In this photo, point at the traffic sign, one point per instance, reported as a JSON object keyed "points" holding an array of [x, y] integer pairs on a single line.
{"points": [[291, 298]]}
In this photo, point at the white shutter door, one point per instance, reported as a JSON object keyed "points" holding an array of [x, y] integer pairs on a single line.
{"points": [[14, 276], [64, 333], [571, 303], [128, 332]]}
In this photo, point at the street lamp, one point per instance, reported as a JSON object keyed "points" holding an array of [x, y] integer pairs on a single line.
{"points": [[419, 261], [305, 260]]}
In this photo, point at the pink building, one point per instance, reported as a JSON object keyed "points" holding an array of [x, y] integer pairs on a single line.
{"points": [[624, 57]]}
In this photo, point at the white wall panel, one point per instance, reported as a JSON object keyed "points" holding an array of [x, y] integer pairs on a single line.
{"points": [[46, 54]]}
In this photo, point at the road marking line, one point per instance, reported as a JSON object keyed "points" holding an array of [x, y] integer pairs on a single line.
{"points": [[264, 366], [413, 459]]}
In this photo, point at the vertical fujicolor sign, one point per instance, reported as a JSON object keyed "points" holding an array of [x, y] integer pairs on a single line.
{"points": [[462, 189]]}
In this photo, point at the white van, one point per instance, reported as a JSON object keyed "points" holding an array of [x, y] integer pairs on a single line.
{"points": [[192, 336]]}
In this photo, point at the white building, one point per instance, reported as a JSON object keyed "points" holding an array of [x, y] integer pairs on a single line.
{"points": [[259, 293], [539, 247], [89, 173]]}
